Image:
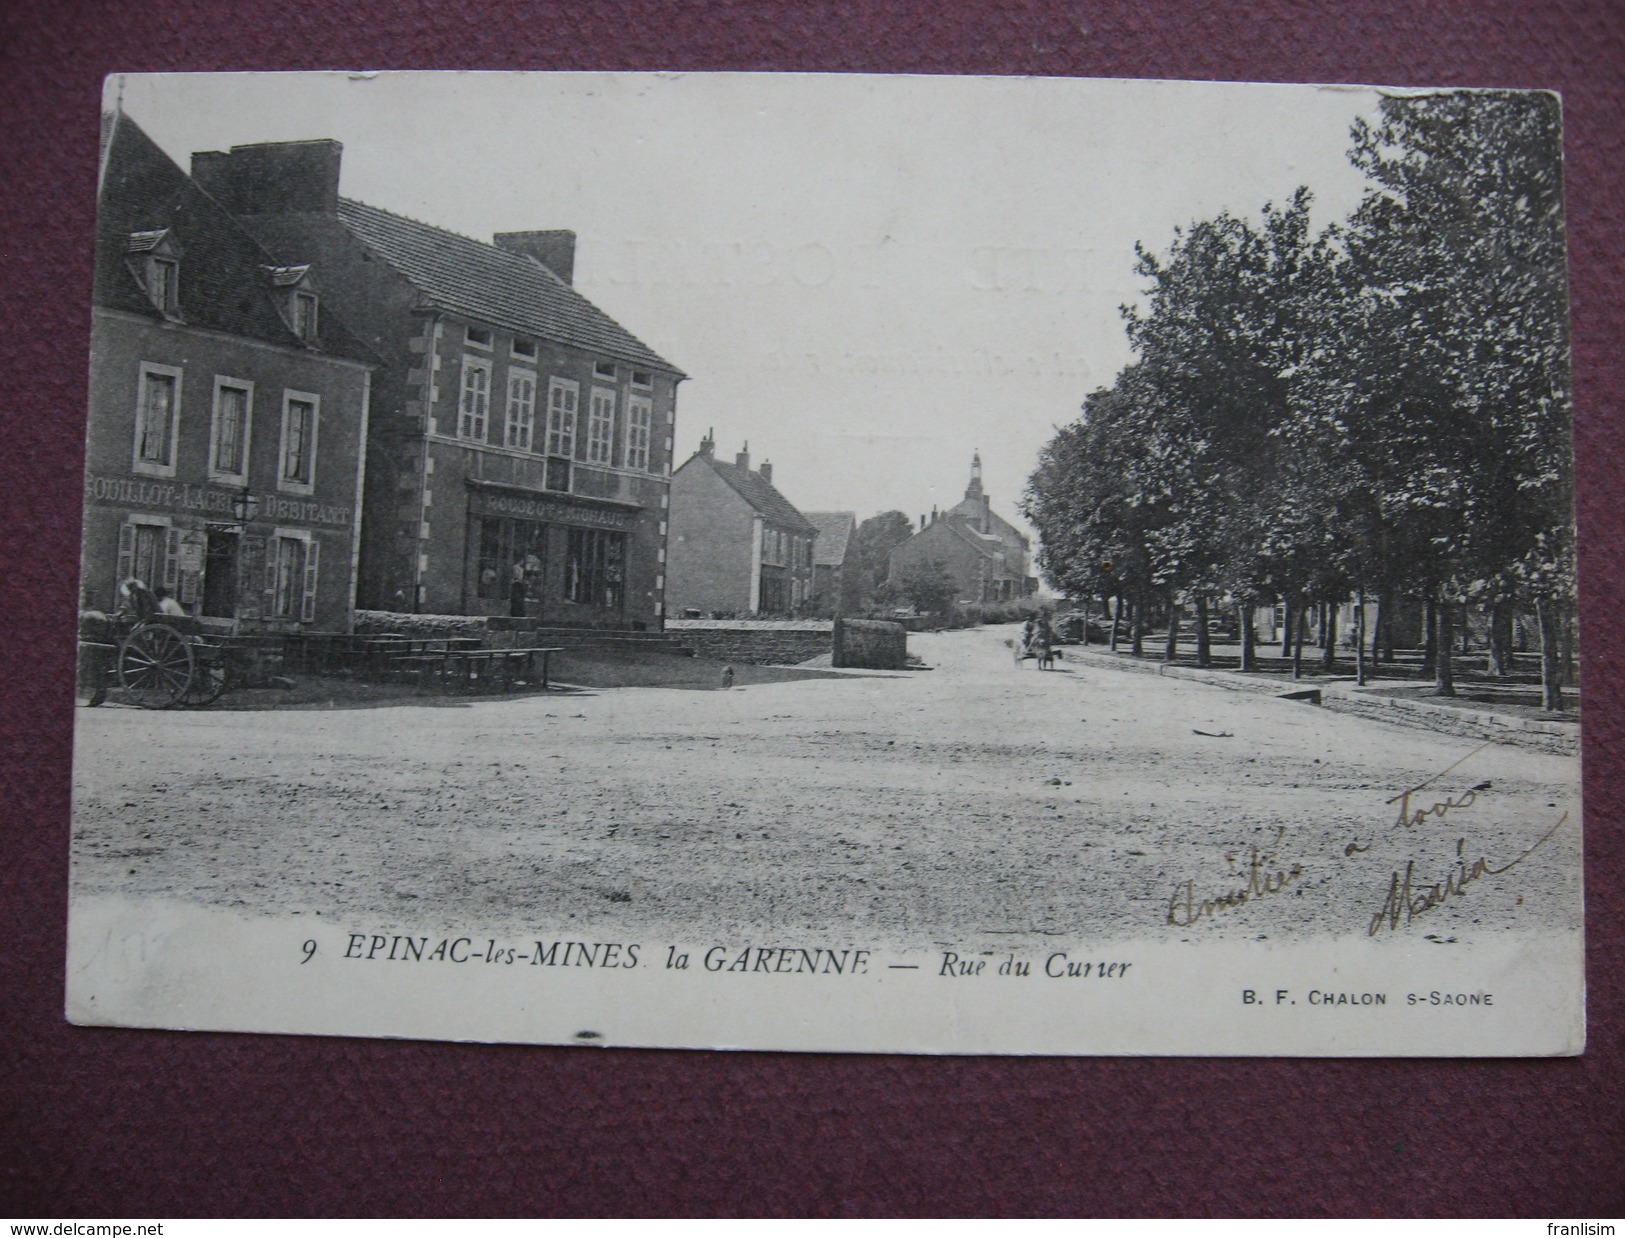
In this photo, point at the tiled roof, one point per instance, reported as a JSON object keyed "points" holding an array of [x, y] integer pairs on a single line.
{"points": [[835, 530], [146, 199], [760, 494], [487, 284]]}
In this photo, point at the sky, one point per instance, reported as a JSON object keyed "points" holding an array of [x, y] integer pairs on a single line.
{"points": [[866, 278]]}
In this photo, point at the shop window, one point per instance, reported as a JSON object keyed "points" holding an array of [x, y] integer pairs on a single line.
{"points": [[595, 567], [510, 552]]}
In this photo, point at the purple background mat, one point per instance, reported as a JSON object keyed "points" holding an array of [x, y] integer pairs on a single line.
{"points": [[100, 1122]]}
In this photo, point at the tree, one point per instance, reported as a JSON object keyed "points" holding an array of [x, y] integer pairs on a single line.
{"points": [[1458, 374], [872, 545], [929, 587]]}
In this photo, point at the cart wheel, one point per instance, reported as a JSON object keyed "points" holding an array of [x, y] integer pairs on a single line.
{"points": [[155, 666], [210, 679]]}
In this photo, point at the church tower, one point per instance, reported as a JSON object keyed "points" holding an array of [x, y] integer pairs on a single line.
{"points": [[974, 490]]}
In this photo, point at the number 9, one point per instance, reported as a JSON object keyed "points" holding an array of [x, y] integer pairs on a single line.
{"points": [[310, 951]]}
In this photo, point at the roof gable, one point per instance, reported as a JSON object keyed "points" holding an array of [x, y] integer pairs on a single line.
{"points": [[481, 282], [757, 491], [835, 530], [150, 208]]}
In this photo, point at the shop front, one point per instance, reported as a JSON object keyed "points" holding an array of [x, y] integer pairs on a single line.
{"points": [[556, 558], [250, 560]]}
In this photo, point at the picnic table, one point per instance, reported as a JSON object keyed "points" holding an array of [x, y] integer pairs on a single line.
{"points": [[454, 665]]}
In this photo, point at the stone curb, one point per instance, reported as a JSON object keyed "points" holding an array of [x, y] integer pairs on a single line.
{"points": [[1558, 737]]}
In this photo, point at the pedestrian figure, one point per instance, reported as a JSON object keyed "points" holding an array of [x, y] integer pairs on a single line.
{"points": [[516, 591], [727, 678], [167, 605]]}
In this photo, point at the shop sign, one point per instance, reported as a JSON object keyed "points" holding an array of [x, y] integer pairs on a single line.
{"points": [[208, 500]]}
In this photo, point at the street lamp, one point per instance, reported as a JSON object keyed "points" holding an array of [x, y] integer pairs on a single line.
{"points": [[245, 505]]}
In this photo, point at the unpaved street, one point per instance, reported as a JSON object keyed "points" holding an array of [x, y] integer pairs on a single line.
{"points": [[972, 801]]}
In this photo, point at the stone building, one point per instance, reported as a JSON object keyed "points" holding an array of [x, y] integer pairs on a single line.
{"points": [[738, 546], [228, 409], [988, 557], [836, 588], [520, 455]]}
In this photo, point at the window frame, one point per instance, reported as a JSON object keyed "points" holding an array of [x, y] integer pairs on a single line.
{"points": [[140, 463], [526, 422], [224, 383], [605, 442], [561, 440], [465, 419], [301, 593], [488, 344], [306, 328], [519, 354], [294, 485], [639, 436]]}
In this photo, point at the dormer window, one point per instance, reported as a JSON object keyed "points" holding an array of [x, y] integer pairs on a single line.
{"points": [[304, 315], [159, 268], [297, 300]]}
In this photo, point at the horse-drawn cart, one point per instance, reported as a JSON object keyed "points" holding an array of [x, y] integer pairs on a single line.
{"points": [[156, 663]]}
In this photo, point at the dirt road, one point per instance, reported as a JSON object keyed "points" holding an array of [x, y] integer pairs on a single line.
{"points": [[975, 800]]}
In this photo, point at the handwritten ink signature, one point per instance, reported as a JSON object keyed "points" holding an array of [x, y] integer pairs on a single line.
{"points": [[1409, 818], [1408, 900], [1185, 910]]}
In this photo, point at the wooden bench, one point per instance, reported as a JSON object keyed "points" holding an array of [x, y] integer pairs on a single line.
{"points": [[469, 669]]}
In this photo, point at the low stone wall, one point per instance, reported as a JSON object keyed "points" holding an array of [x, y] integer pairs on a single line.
{"points": [[418, 627], [871, 643], [758, 642]]}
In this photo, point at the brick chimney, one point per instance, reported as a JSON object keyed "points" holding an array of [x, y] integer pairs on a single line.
{"points": [[273, 178], [742, 460], [708, 444], [767, 471], [555, 249]]}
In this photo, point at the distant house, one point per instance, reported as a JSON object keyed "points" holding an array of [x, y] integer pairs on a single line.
{"points": [[521, 448], [836, 587], [737, 545], [228, 409], [988, 557]]}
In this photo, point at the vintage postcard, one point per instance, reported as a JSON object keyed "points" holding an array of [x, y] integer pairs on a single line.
{"points": [[840, 563]]}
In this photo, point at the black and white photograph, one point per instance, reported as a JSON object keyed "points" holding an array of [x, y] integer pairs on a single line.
{"points": [[831, 563]]}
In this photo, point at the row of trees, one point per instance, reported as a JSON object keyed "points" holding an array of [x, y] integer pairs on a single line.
{"points": [[1377, 411]]}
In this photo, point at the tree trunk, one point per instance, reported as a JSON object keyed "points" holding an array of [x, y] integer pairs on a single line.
{"points": [[1117, 618], [1204, 647], [1376, 637], [1444, 677], [1551, 668], [1244, 627], [1136, 627], [1322, 611], [1359, 638], [1289, 615], [1328, 656], [1170, 651], [1296, 639], [1498, 660], [1430, 643]]}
